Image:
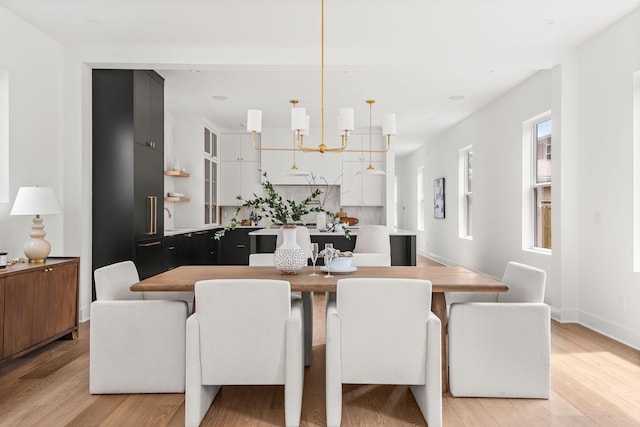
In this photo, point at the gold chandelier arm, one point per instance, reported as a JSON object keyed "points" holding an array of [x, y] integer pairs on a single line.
{"points": [[373, 151]]}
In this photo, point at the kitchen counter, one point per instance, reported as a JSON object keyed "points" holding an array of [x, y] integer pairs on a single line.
{"points": [[403, 242], [315, 232]]}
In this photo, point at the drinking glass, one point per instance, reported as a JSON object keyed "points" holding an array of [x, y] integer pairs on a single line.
{"points": [[329, 251], [314, 257]]}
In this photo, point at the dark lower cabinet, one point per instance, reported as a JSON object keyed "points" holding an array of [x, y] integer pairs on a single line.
{"points": [[195, 248], [235, 247], [149, 257]]}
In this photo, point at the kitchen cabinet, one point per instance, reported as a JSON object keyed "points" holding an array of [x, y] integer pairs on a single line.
{"points": [[148, 109], [239, 178], [195, 248], [239, 168], [40, 304], [238, 147], [149, 257], [361, 190], [128, 180], [234, 246], [360, 141], [196, 149]]}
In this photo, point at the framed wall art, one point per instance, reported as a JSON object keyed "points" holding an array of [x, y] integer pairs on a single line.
{"points": [[438, 198]]}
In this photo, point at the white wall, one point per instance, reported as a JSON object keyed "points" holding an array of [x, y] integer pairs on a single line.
{"points": [[590, 271], [609, 289], [34, 66]]}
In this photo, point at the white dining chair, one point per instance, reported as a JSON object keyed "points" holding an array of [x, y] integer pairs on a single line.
{"points": [[261, 260], [381, 331], [245, 331], [502, 348], [136, 344], [373, 239]]}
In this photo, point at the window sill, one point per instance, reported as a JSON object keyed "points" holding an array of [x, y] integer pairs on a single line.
{"points": [[541, 251]]}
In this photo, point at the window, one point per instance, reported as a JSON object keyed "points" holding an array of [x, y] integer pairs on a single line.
{"points": [[4, 137], [466, 192], [420, 197], [537, 153]]}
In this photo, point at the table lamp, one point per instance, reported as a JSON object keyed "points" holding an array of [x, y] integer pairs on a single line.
{"points": [[36, 201]]}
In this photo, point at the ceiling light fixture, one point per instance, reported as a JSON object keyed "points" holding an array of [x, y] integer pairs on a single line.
{"points": [[300, 122], [294, 171], [370, 170]]}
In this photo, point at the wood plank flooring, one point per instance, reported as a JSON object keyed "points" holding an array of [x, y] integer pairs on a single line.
{"points": [[595, 381]]}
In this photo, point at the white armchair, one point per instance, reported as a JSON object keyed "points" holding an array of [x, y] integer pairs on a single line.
{"points": [[137, 345], [381, 331], [244, 332], [502, 348]]}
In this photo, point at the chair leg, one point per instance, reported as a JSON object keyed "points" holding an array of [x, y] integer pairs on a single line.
{"points": [[333, 369], [197, 397]]}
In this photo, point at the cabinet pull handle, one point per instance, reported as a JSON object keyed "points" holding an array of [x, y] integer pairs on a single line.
{"points": [[153, 215], [241, 246], [146, 245]]}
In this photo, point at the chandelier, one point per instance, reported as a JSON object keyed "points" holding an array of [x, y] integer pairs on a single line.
{"points": [[300, 124]]}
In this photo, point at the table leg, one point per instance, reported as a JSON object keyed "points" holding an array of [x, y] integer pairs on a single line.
{"points": [[439, 308], [307, 308]]}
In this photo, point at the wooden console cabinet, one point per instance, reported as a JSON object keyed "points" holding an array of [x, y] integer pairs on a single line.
{"points": [[38, 304]]}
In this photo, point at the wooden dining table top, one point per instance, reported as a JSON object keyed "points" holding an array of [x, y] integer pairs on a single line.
{"points": [[443, 278]]}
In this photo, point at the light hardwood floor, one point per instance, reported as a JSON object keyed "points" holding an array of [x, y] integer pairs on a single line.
{"points": [[595, 381]]}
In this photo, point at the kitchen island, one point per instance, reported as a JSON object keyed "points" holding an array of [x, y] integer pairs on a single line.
{"points": [[403, 242]]}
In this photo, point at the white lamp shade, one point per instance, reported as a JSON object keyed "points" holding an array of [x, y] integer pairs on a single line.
{"points": [[298, 118], [36, 201], [389, 124], [254, 121], [345, 119], [305, 131]]}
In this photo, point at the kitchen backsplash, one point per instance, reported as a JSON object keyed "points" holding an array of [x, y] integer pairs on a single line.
{"points": [[330, 199]]}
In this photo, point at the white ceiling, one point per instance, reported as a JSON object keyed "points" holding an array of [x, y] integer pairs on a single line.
{"points": [[410, 56]]}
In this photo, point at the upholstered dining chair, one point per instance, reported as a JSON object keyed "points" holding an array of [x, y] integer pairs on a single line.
{"points": [[381, 331], [137, 344], [261, 260], [373, 239], [502, 348], [245, 331]]}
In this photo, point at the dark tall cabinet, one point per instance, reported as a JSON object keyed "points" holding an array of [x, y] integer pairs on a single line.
{"points": [[128, 183]]}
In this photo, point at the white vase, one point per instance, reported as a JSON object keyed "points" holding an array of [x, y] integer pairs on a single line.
{"points": [[289, 257], [321, 221]]}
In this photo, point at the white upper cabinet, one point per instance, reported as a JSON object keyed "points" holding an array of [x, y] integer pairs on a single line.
{"points": [[360, 141], [238, 147]]}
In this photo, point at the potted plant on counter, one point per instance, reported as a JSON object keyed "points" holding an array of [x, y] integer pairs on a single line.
{"points": [[286, 212]]}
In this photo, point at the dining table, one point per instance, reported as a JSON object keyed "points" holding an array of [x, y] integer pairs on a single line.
{"points": [[444, 279]]}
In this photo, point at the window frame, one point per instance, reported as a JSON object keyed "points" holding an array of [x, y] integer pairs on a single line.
{"points": [[420, 198], [533, 237], [465, 194]]}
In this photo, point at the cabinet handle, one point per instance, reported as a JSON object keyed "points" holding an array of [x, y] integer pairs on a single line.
{"points": [[153, 215], [241, 246], [146, 245], [151, 144], [171, 248]]}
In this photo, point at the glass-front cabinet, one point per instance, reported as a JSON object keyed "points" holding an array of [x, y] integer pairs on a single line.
{"points": [[210, 177]]}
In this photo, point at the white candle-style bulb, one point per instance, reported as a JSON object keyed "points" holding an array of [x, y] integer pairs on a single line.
{"points": [[298, 118], [254, 121], [389, 124]]}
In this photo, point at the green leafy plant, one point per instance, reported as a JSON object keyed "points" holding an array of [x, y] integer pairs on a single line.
{"points": [[275, 208]]}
